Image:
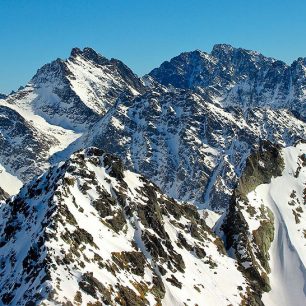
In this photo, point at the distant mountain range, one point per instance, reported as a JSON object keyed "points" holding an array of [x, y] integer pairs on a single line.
{"points": [[213, 137]]}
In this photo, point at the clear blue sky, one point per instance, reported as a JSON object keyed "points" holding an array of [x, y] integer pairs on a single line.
{"points": [[142, 33]]}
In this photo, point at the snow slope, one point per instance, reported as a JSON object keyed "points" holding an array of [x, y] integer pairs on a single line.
{"points": [[8, 182], [285, 196], [161, 131], [27, 142], [99, 81], [89, 231], [25, 108]]}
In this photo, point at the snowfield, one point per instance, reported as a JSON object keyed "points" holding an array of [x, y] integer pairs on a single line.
{"points": [[285, 196], [8, 182]]}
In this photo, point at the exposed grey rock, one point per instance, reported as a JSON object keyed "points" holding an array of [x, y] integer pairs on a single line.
{"points": [[2, 96], [3, 195], [24, 149]]}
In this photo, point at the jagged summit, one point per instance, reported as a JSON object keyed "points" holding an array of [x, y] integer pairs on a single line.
{"points": [[2, 96], [227, 49], [64, 99], [238, 77], [69, 97], [50, 72], [222, 47], [89, 54], [74, 92], [87, 51]]}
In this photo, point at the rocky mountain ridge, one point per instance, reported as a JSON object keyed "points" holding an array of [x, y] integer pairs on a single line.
{"points": [[67, 98], [88, 232], [75, 92]]}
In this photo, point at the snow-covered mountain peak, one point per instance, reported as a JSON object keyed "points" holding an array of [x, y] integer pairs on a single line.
{"points": [[75, 92], [62, 100], [90, 232], [224, 48]]}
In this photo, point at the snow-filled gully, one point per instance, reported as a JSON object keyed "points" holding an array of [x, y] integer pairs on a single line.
{"points": [[288, 277]]}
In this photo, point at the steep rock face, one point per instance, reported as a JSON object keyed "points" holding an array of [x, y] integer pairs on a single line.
{"points": [[193, 150], [264, 226], [88, 232], [235, 76], [27, 142], [99, 81], [285, 197], [251, 247], [51, 96], [186, 141], [24, 149]]}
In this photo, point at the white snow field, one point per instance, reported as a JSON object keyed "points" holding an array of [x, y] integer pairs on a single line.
{"points": [[8, 182]]}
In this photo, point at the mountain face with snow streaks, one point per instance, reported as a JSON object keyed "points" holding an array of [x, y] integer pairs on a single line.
{"points": [[19, 136], [193, 150], [74, 93], [67, 98]]}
